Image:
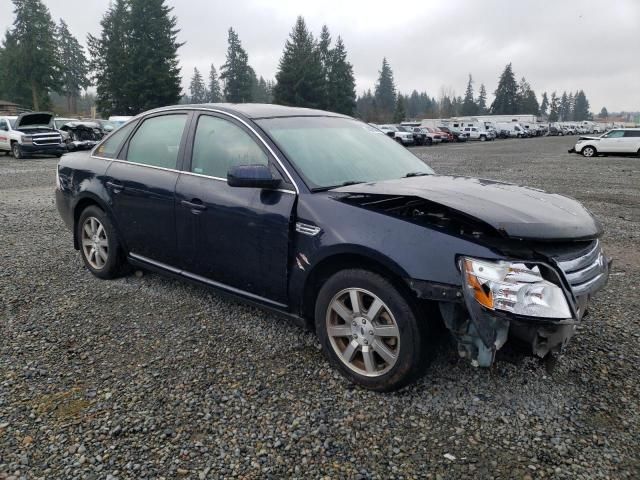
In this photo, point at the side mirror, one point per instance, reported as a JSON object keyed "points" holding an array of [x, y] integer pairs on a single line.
{"points": [[252, 176]]}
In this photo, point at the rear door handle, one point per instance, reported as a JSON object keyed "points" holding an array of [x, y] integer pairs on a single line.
{"points": [[195, 205]]}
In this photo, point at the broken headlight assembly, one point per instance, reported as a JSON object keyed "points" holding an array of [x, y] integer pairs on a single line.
{"points": [[513, 287]]}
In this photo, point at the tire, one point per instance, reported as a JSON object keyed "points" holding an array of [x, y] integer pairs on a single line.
{"points": [[377, 362], [589, 151], [483, 138], [16, 151], [429, 141], [103, 241]]}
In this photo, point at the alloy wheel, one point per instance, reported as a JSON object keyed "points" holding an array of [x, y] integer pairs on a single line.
{"points": [[363, 332], [95, 244], [588, 152]]}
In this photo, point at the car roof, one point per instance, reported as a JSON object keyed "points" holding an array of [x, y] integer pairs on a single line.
{"points": [[256, 111]]}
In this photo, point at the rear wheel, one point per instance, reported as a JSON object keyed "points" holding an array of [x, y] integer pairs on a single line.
{"points": [[369, 330], [99, 244], [589, 151], [483, 138]]}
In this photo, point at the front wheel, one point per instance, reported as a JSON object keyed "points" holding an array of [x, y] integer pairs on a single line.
{"points": [[369, 330], [589, 152], [99, 244], [483, 138], [17, 151]]}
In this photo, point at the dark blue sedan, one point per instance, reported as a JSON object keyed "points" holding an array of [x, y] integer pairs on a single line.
{"points": [[328, 220]]}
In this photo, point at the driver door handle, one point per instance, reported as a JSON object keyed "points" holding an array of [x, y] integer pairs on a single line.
{"points": [[195, 205]]}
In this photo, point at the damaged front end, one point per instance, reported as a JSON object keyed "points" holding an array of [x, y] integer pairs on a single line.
{"points": [[536, 302], [82, 135]]}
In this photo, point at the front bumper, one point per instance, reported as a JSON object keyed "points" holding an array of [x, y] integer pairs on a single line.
{"points": [[481, 332], [53, 149]]}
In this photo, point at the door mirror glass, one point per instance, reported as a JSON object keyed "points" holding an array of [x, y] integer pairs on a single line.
{"points": [[252, 176]]}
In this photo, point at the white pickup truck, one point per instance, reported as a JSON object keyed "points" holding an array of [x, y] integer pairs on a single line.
{"points": [[30, 133]]}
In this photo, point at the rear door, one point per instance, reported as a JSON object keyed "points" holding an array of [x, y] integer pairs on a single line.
{"points": [[631, 141], [237, 237], [142, 186]]}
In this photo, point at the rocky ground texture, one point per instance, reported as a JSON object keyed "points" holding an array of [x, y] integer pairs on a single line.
{"points": [[146, 377]]}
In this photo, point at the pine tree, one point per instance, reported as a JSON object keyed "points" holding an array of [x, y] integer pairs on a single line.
{"points": [[385, 92], [109, 60], [400, 113], [236, 72], [74, 66], [554, 108], [604, 113], [482, 100], [581, 107], [326, 53], [197, 89], [366, 107], [506, 95], [32, 67], [571, 114], [564, 109], [215, 95], [544, 106], [469, 106], [152, 56], [341, 84], [300, 80]]}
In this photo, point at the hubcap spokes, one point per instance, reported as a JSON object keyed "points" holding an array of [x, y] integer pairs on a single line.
{"points": [[95, 244], [363, 332]]}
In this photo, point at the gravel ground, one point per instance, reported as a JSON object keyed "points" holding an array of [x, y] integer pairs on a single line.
{"points": [[146, 377]]}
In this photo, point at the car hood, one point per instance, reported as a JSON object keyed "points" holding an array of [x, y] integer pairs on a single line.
{"points": [[32, 119], [583, 137], [514, 211]]}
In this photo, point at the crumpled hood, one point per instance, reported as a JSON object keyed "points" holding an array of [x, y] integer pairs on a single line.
{"points": [[514, 211], [32, 119]]}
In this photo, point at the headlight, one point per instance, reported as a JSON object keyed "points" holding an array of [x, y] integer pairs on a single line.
{"points": [[513, 287], [27, 140]]}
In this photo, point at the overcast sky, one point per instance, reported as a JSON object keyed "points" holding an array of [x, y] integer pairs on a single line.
{"points": [[556, 45]]}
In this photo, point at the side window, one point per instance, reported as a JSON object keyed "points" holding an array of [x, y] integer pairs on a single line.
{"points": [[3, 125], [110, 147], [632, 133], [157, 141], [615, 134], [220, 145]]}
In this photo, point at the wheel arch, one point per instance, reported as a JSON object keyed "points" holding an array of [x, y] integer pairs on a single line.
{"points": [[336, 262], [87, 200]]}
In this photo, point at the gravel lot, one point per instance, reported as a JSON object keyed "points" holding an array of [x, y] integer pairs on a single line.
{"points": [[145, 377]]}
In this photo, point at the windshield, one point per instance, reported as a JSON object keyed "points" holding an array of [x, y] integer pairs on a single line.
{"points": [[330, 152], [59, 123], [12, 122]]}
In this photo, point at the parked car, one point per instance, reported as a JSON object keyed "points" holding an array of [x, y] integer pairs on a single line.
{"points": [[434, 134], [81, 134], [400, 136], [119, 120], [107, 126], [320, 217], [620, 141], [456, 134], [444, 135], [473, 133], [30, 133], [420, 136]]}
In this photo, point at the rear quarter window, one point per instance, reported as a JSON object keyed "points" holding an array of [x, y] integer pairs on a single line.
{"points": [[110, 147]]}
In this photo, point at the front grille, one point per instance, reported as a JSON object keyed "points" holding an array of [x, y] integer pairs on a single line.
{"points": [[47, 139], [586, 270]]}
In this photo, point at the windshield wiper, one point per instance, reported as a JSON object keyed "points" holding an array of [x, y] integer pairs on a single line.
{"points": [[343, 184], [415, 174]]}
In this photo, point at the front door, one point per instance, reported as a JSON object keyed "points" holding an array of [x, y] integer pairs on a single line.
{"points": [[237, 237], [611, 142], [4, 135], [142, 187]]}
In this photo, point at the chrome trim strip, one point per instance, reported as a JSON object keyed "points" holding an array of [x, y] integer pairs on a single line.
{"points": [[170, 109], [126, 162], [577, 263], [199, 278], [307, 229]]}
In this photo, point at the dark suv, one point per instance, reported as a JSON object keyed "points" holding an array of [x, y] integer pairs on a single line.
{"points": [[328, 220]]}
